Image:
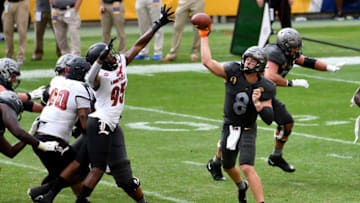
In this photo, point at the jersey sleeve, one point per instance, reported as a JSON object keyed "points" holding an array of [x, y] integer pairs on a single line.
{"points": [[275, 54], [269, 90], [230, 69]]}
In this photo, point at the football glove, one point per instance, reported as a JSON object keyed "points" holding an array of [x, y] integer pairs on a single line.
{"points": [[164, 18], [52, 146], [335, 68], [300, 83], [204, 32], [104, 53], [37, 93]]}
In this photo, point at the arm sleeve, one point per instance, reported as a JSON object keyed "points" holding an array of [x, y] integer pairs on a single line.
{"points": [[91, 75], [267, 115]]}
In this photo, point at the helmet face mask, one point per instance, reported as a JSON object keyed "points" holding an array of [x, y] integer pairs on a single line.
{"points": [[61, 63], [76, 69], [257, 54], [9, 69], [290, 41], [94, 52]]}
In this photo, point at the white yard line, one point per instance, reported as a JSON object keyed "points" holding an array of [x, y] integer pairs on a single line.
{"points": [[339, 156], [188, 67], [150, 193], [220, 121]]}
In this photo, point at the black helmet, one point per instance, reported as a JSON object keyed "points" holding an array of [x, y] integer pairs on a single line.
{"points": [[259, 55], [93, 54], [76, 68], [288, 38], [13, 100], [61, 63]]}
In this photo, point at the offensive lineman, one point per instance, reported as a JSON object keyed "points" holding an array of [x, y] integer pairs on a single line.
{"points": [[248, 94], [281, 58], [10, 108], [105, 140]]}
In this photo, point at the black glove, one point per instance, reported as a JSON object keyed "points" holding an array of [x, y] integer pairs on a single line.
{"points": [[164, 18], [104, 53]]}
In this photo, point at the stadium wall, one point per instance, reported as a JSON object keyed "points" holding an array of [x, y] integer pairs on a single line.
{"points": [[89, 10]]}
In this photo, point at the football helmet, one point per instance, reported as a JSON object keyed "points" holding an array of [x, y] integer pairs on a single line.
{"points": [[288, 38], [13, 100], [61, 63], [9, 67], [76, 68], [259, 55], [93, 54]]}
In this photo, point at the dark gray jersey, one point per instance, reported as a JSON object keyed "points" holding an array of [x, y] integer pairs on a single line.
{"points": [[276, 55], [239, 109]]}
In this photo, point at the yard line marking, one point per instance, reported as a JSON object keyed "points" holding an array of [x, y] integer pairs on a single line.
{"points": [[325, 78], [22, 165], [220, 121], [155, 194], [194, 163], [339, 156]]}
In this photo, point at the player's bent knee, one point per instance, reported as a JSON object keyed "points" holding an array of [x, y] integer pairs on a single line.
{"points": [[131, 186]]}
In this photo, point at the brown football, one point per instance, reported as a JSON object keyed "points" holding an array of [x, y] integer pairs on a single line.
{"points": [[202, 20]]}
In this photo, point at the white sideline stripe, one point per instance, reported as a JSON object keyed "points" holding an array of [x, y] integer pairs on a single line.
{"points": [[184, 67], [339, 156], [220, 121], [194, 163], [155, 194]]}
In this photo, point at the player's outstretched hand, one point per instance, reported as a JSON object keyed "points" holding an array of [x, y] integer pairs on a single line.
{"points": [[300, 83], [104, 53], [335, 68], [164, 18], [37, 93], [205, 31]]}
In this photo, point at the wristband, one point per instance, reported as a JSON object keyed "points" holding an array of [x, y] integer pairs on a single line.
{"points": [[289, 83], [29, 96]]}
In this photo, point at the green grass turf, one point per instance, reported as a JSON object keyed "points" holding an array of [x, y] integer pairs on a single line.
{"points": [[161, 158]]}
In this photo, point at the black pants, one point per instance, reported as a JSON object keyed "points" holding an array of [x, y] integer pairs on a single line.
{"points": [[283, 10], [54, 162]]}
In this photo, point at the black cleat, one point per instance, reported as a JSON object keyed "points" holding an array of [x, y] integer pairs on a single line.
{"points": [[215, 170], [242, 193], [281, 163], [36, 193]]}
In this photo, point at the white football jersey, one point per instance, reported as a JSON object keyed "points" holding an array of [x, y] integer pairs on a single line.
{"points": [[110, 96], [60, 113]]}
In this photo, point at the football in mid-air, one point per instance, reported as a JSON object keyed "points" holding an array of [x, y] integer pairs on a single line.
{"points": [[201, 20]]}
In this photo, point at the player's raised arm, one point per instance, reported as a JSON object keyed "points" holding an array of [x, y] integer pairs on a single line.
{"points": [[206, 59], [145, 38]]}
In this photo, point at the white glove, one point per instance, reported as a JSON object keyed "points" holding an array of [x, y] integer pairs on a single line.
{"points": [[34, 126], [49, 146], [300, 83], [37, 93], [334, 68]]}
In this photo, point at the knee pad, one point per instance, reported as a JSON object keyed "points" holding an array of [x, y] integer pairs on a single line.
{"points": [[132, 185], [282, 133]]}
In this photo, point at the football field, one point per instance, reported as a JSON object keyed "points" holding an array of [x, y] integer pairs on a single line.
{"points": [[173, 116]]}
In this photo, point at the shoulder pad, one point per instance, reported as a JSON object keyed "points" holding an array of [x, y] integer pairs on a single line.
{"points": [[231, 68], [269, 89], [275, 54]]}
